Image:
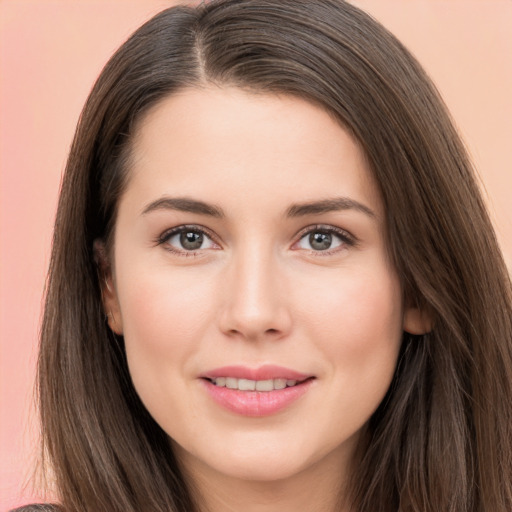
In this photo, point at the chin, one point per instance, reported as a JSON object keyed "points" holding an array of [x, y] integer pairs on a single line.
{"points": [[262, 469], [255, 459]]}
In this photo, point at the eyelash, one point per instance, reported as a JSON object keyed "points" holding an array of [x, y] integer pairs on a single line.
{"points": [[347, 240], [164, 238]]}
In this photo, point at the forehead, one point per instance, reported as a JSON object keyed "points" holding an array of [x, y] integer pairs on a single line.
{"points": [[222, 143]]}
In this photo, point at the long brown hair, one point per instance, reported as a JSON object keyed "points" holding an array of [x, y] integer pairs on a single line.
{"points": [[442, 438]]}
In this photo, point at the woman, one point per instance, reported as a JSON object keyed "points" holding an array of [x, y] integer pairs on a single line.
{"points": [[274, 284]]}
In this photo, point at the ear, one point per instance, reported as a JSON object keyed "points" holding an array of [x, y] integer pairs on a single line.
{"points": [[417, 321], [108, 290]]}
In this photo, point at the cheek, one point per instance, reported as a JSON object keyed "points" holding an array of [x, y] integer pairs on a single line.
{"points": [[169, 305], [358, 305], [164, 317], [357, 325]]}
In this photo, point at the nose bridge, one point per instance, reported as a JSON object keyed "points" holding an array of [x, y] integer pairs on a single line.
{"points": [[255, 305]]}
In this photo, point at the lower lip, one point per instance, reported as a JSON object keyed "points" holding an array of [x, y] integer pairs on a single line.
{"points": [[256, 403]]}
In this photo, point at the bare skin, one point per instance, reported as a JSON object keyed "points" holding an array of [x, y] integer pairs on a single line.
{"points": [[251, 234]]}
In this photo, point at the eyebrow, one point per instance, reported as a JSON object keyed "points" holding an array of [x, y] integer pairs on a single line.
{"points": [[184, 204], [328, 205]]}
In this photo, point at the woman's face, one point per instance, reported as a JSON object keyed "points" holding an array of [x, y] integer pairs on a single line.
{"points": [[249, 257]]}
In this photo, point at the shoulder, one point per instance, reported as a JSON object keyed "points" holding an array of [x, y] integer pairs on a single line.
{"points": [[38, 508]]}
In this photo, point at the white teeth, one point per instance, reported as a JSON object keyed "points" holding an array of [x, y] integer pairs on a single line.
{"points": [[246, 385], [231, 383], [281, 383], [253, 385], [265, 385]]}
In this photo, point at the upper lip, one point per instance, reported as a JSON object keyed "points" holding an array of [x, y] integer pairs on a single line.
{"points": [[265, 372]]}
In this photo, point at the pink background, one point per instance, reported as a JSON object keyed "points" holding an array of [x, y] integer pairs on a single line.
{"points": [[50, 54]]}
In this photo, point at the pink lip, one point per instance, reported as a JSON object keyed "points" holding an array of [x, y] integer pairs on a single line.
{"points": [[265, 372], [256, 403]]}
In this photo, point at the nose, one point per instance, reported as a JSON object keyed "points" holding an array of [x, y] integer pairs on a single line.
{"points": [[255, 305]]}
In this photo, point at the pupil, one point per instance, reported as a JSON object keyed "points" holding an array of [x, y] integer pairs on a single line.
{"points": [[191, 241], [320, 241]]}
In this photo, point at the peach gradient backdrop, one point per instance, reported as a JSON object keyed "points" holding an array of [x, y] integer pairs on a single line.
{"points": [[51, 52]]}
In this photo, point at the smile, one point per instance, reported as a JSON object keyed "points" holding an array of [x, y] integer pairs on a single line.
{"points": [[253, 385], [256, 392]]}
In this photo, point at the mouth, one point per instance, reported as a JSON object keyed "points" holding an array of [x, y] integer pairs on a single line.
{"points": [[256, 392], [266, 385]]}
